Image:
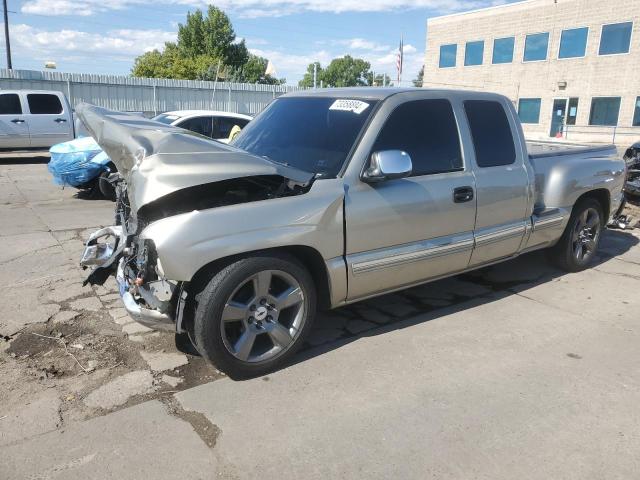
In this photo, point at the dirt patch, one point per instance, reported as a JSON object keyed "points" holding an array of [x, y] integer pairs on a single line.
{"points": [[206, 430], [84, 345], [76, 356]]}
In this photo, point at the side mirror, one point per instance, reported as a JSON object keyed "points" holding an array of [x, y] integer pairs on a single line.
{"points": [[387, 165]]}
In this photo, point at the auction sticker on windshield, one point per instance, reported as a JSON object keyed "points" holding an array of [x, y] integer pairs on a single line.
{"points": [[355, 106]]}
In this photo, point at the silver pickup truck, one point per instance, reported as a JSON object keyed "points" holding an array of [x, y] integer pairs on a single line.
{"points": [[327, 198]]}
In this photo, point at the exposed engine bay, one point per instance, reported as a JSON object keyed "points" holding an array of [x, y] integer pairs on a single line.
{"points": [[119, 251]]}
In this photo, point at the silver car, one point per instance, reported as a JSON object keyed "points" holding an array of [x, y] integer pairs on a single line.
{"points": [[329, 197]]}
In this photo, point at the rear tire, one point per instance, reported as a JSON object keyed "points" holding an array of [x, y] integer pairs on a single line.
{"points": [[578, 245], [254, 314]]}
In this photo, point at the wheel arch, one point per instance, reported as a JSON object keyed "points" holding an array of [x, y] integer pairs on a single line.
{"points": [[602, 196], [309, 257]]}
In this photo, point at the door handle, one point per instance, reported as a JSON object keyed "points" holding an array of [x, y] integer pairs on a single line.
{"points": [[462, 194], [59, 120], [17, 120]]}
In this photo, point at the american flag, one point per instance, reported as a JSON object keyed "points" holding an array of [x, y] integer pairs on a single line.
{"points": [[399, 60]]}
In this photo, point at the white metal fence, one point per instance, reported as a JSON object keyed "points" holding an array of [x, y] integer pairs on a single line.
{"points": [[149, 95]]}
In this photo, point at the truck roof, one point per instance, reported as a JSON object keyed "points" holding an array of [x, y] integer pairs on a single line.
{"points": [[379, 93], [189, 113]]}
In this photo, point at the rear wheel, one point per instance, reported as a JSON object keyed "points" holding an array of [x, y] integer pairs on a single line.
{"points": [[254, 314], [578, 245]]}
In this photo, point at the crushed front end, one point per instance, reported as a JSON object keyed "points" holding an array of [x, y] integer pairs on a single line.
{"points": [[117, 250]]}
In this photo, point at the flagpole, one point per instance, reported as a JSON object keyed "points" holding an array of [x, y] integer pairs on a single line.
{"points": [[401, 59]]}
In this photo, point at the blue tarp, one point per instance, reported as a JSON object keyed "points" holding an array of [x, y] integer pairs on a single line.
{"points": [[77, 162]]}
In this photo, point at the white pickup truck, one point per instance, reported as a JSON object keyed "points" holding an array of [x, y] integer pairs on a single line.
{"points": [[34, 119]]}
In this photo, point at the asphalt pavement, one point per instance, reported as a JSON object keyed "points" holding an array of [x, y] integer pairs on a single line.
{"points": [[514, 371]]}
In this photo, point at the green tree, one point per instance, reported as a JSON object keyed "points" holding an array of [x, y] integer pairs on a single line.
{"points": [[307, 80], [191, 35], [253, 71], [382, 80], [341, 72], [206, 49], [346, 72], [171, 63], [419, 79]]}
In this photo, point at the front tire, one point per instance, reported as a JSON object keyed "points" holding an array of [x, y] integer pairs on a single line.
{"points": [[577, 247], [254, 314]]}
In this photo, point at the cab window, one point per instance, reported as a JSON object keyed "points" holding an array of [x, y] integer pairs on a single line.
{"points": [[44, 104], [491, 133], [428, 132], [10, 104], [225, 124], [201, 125]]}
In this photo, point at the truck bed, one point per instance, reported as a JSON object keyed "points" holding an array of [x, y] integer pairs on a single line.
{"points": [[542, 149]]}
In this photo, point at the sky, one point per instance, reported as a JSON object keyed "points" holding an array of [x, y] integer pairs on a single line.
{"points": [[105, 36]]}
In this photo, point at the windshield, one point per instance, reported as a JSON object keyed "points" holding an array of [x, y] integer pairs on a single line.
{"points": [[314, 134], [165, 118]]}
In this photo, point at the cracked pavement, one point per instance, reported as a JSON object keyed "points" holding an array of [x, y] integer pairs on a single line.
{"points": [[512, 371]]}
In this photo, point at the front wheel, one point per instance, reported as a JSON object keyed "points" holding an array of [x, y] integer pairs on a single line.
{"points": [[254, 314], [578, 245]]}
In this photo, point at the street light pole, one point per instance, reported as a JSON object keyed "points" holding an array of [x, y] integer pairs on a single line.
{"points": [[6, 34]]}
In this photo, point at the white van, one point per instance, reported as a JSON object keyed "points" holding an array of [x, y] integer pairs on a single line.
{"points": [[34, 119]]}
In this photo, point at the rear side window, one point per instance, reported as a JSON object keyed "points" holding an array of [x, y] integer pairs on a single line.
{"points": [[491, 133], [201, 125], [428, 132], [10, 104], [44, 104], [225, 124]]}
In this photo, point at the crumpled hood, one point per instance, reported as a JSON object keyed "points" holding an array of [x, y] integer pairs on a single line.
{"points": [[156, 159]]}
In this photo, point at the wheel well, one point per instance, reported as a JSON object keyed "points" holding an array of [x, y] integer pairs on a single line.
{"points": [[602, 196], [307, 256]]}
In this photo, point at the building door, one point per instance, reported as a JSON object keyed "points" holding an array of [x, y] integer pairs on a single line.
{"points": [[558, 116], [565, 112]]}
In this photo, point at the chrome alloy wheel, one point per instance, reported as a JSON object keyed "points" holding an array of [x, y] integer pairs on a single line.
{"points": [[586, 234], [263, 316]]}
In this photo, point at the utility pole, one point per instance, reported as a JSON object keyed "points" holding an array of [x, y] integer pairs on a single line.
{"points": [[315, 74], [6, 34]]}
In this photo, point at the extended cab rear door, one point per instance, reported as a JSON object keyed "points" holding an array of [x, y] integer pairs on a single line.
{"points": [[502, 181], [49, 118], [404, 231]]}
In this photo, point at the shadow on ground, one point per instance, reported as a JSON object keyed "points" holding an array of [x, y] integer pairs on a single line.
{"points": [[380, 315], [24, 157]]}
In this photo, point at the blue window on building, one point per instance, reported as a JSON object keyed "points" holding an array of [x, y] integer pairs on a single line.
{"points": [[615, 38], [448, 55], [636, 113], [604, 111], [536, 46], [473, 53], [503, 50], [573, 43], [529, 110]]}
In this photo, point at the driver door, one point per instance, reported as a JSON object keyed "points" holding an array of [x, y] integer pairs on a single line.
{"points": [[403, 231]]}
